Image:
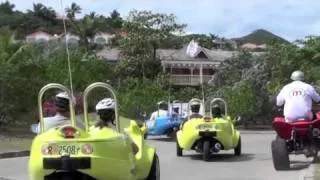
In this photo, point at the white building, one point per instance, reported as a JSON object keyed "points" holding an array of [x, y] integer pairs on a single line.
{"points": [[39, 36]]}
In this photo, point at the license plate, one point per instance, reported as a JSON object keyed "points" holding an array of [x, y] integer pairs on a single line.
{"points": [[206, 126], [60, 149]]}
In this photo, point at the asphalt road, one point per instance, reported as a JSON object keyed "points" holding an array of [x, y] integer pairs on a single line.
{"points": [[254, 164]]}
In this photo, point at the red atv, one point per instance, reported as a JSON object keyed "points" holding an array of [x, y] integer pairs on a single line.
{"points": [[301, 137]]}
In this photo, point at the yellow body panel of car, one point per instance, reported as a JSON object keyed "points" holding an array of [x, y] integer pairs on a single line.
{"points": [[112, 156], [226, 133], [146, 152]]}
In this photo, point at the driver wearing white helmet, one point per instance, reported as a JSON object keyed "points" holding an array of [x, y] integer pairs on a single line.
{"points": [[62, 115], [297, 98], [195, 112], [105, 110]]}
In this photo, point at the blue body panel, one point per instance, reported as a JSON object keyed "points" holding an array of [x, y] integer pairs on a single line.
{"points": [[163, 124]]}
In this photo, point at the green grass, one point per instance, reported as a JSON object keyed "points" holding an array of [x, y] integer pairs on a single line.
{"points": [[14, 144], [13, 140]]}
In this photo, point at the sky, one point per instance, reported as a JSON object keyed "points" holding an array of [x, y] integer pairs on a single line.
{"points": [[290, 19]]}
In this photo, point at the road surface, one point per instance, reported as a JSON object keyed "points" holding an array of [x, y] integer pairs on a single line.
{"points": [[254, 164]]}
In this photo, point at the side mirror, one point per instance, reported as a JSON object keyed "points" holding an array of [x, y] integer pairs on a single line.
{"points": [[142, 126], [34, 128], [143, 129]]}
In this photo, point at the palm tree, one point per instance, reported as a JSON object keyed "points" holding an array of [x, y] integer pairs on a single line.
{"points": [[6, 7], [92, 15], [43, 12], [73, 10]]}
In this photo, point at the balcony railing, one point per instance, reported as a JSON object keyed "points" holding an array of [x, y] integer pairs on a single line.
{"points": [[189, 80]]}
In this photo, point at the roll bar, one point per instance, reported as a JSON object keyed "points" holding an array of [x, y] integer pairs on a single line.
{"points": [[192, 100], [221, 100], [159, 107], [85, 102], [177, 101], [55, 86]]}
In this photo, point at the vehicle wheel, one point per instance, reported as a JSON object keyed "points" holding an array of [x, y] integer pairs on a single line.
{"points": [[206, 150], [280, 154], [237, 150], [179, 149], [171, 134], [145, 136], [154, 173], [174, 135]]}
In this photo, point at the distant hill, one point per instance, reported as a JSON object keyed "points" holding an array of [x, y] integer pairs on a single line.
{"points": [[260, 36]]}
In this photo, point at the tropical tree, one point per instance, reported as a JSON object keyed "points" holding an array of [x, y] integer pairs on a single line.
{"points": [[6, 8], [146, 31], [73, 10]]}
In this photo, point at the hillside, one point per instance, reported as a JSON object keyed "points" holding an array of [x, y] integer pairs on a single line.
{"points": [[260, 36]]}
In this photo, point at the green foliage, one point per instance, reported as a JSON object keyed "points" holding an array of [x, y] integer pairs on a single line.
{"points": [[146, 32], [26, 68], [43, 18], [137, 97]]}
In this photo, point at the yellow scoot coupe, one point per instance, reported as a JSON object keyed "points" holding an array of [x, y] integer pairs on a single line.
{"points": [[70, 152], [209, 134]]}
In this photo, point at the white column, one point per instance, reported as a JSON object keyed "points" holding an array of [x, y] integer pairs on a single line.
{"points": [[191, 75], [201, 74]]}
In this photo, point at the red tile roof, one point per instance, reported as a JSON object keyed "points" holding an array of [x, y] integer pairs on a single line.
{"points": [[39, 32]]}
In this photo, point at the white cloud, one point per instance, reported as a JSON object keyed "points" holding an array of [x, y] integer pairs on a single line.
{"points": [[290, 19]]}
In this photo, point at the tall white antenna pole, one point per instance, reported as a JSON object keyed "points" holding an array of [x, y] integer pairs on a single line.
{"points": [[67, 47]]}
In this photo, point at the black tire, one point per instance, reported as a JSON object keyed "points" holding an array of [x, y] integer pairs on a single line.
{"points": [[179, 149], [206, 150], [280, 154], [170, 133], [174, 135], [154, 173], [237, 150]]}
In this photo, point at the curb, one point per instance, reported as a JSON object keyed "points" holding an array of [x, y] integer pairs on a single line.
{"points": [[14, 154]]}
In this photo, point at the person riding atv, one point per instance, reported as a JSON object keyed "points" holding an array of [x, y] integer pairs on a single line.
{"points": [[297, 97], [162, 110], [63, 112]]}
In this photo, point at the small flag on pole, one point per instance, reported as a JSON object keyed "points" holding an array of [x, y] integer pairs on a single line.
{"points": [[192, 48]]}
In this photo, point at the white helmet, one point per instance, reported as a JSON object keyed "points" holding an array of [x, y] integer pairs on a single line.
{"points": [[107, 103], [194, 103], [297, 76], [64, 95], [62, 101]]}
